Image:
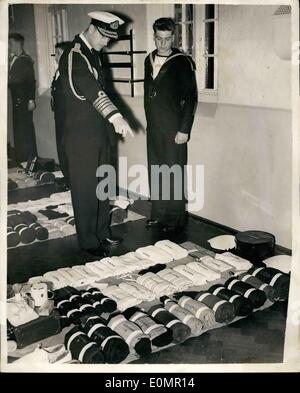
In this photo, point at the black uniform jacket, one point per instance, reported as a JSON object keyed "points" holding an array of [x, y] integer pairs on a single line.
{"points": [[21, 79], [87, 106], [170, 99]]}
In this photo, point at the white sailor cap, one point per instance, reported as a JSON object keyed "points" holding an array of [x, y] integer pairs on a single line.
{"points": [[106, 23]]}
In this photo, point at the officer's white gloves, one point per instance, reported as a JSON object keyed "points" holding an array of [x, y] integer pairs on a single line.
{"points": [[121, 126]]}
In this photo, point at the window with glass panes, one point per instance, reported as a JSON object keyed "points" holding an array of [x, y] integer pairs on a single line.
{"points": [[184, 32]]}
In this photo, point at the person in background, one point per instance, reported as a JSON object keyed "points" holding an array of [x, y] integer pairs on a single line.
{"points": [[170, 97], [21, 82], [91, 121], [58, 107]]}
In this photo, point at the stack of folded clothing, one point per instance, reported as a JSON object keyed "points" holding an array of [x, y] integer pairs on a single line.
{"points": [[156, 284], [177, 279], [231, 259], [195, 277]]}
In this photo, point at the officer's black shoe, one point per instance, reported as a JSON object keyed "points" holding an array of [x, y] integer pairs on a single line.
{"points": [[100, 251], [173, 229], [111, 241], [153, 223]]}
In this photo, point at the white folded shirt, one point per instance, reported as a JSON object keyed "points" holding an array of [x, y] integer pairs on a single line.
{"points": [[155, 254], [19, 312], [209, 274], [172, 248], [123, 299], [137, 290], [57, 279], [234, 260], [215, 264], [195, 277]]}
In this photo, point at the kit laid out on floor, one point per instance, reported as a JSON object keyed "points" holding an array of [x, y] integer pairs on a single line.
{"points": [[53, 218], [122, 308]]}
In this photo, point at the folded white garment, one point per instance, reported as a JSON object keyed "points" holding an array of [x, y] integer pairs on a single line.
{"points": [[156, 284], [177, 279], [210, 275], [65, 228], [98, 268], [86, 272], [215, 264], [223, 242], [233, 260], [74, 278], [124, 300], [137, 290], [114, 264], [18, 311], [195, 277], [280, 262], [172, 248], [57, 279], [155, 254], [139, 262]]}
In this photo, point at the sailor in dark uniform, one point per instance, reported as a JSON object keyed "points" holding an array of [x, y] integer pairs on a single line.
{"points": [[91, 122], [58, 107], [21, 81], [170, 102]]}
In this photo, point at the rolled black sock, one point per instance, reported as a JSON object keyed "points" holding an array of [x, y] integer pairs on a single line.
{"points": [[257, 297]]}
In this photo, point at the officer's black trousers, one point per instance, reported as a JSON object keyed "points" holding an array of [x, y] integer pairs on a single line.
{"points": [[162, 150], [91, 215], [59, 116], [24, 134]]}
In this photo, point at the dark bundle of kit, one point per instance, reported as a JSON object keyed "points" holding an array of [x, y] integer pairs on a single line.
{"points": [[153, 269], [13, 238], [180, 330], [183, 315], [113, 346], [256, 296], [30, 219], [138, 342], [223, 309], [108, 305], [270, 292], [74, 305], [242, 305], [160, 336], [198, 309], [44, 177], [275, 278], [83, 348], [24, 232]]}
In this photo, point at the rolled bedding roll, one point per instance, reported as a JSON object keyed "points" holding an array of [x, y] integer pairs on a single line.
{"points": [[184, 316], [223, 310], [270, 292], [242, 305], [256, 296], [180, 330], [156, 284], [160, 336], [137, 341], [82, 348], [114, 347], [199, 310], [275, 278]]}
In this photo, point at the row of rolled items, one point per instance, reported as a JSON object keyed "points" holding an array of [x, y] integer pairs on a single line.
{"points": [[23, 227]]}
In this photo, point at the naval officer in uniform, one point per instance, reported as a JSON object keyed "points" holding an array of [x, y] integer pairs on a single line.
{"points": [[170, 97], [91, 124], [21, 82]]}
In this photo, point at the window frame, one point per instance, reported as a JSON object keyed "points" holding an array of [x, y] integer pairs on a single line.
{"points": [[205, 94]]}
